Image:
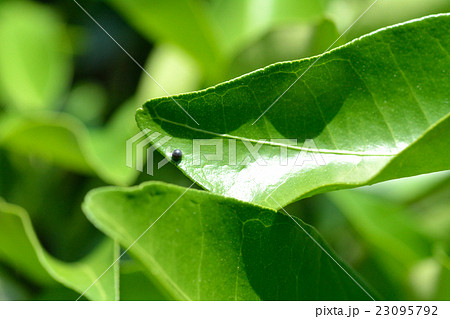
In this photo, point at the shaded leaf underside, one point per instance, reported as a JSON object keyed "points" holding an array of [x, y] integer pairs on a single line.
{"points": [[208, 247]]}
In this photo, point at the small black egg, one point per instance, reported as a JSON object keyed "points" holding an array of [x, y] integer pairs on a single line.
{"points": [[177, 155]]}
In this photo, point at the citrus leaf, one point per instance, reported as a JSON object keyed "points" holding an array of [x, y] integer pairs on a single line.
{"points": [[372, 110], [208, 247], [20, 247]]}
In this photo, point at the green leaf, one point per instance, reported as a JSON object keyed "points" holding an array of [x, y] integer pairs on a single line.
{"points": [[86, 101], [163, 20], [207, 247], [165, 61], [376, 109], [57, 138], [381, 14], [10, 288], [398, 238], [284, 44], [240, 22], [108, 143], [20, 247], [214, 32], [412, 189], [431, 278], [63, 140], [135, 285], [34, 56], [388, 228]]}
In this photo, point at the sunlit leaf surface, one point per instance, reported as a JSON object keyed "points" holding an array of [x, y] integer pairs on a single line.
{"points": [[372, 110]]}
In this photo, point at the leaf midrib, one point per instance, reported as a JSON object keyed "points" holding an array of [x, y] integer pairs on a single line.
{"points": [[270, 143]]}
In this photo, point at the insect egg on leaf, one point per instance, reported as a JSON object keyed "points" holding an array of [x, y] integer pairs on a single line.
{"points": [[177, 155]]}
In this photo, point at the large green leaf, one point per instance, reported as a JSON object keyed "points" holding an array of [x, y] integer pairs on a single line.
{"points": [[20, 247], [376, 109], [210, 247]]}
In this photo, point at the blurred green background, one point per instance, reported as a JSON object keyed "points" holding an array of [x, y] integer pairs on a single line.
{"points": [[68, 95]]}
